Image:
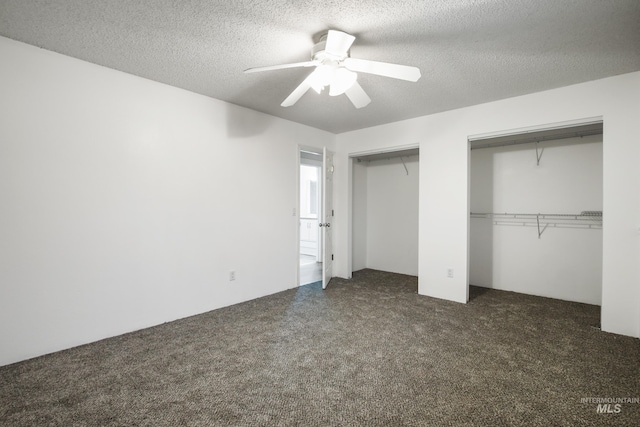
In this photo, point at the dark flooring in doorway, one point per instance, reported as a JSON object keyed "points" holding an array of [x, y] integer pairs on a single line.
{"points": [[366, 352]]}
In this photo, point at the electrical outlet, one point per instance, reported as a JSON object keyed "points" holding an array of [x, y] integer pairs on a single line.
{"points": [[232, 276], [450, 273]]}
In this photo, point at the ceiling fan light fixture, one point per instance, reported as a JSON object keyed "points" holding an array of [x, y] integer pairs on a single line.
{"points": [[343, 79], [322, 76], [334, 67]]}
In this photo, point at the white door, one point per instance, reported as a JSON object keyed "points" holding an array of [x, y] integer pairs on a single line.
{"points": [[327, 216]]}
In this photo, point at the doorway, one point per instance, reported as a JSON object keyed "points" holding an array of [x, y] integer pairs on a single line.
{"points": [[536, 200], [384, 211], [310, 252]]}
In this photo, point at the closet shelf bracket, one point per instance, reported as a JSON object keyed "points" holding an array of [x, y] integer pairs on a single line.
{"points": [[543, 228], [405, 165], [538, 154]]}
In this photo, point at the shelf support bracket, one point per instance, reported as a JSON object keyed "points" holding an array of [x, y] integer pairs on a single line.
{"points": [[543, 228], [404, 164], [538, 154]]}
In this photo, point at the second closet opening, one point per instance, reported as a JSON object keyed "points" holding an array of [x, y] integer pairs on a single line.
{"points": [[536, 213]]}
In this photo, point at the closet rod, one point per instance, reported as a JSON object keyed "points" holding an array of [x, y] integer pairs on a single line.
{"points": [[583, 214]]}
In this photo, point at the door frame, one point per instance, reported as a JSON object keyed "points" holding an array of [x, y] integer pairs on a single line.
{"points": [[327, 215]]}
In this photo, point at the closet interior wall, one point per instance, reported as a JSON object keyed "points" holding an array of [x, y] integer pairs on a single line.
{"points": [[562, 261], [385, 213]]}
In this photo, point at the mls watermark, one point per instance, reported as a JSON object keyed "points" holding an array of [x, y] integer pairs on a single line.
{"points": [[610, 405]]}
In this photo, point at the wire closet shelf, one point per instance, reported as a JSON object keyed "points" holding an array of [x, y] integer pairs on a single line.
{"points": [[585, 219]]}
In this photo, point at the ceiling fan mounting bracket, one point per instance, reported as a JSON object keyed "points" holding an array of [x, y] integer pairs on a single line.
{"points": [[321, 36], [318, 53]]}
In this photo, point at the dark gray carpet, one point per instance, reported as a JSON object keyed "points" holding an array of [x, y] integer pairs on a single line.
{"points": [[367, 351]]}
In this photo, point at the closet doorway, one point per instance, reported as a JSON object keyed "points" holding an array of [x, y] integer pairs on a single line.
{"points": [[384, 214], [536, 212]]}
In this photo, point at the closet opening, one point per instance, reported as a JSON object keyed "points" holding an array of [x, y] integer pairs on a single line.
{"points": [[536, 203], [384, 214]]}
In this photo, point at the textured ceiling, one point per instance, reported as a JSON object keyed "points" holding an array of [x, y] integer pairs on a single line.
{"points": [[469, 51]]}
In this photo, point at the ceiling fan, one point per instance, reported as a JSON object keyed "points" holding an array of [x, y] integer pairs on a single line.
{"points": [[335, 68]]}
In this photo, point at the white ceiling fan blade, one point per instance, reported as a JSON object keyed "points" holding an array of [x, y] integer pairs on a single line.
{"points": [[402, 72], [280, 67], [358, 96], [296, 94], [338, 43], [300, 90]]}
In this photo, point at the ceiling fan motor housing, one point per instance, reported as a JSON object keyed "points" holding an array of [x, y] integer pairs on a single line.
{"points": [[319, 53]]}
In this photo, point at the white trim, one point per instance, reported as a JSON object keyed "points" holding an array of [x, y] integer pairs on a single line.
{"points": [[297, 214]]}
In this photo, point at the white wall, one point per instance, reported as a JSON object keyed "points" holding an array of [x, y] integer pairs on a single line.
{"points": [[564, 263], [390, 215], [126, 203], [444, 196]]}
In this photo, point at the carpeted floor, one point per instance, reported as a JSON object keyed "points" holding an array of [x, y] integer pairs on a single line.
{"points": [[367, 351]]}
